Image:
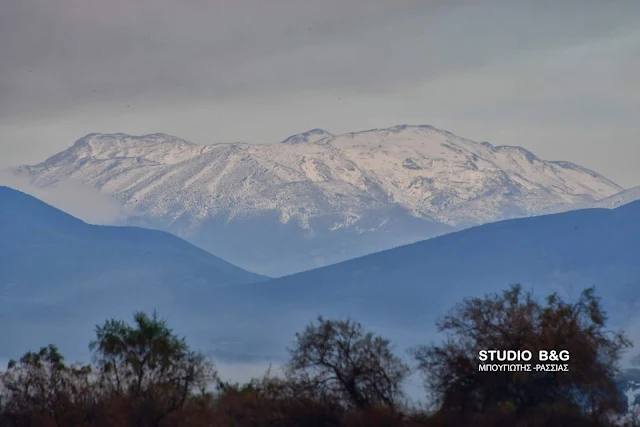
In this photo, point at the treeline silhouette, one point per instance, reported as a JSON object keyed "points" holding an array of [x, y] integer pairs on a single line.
{"points": [[339, 374]]}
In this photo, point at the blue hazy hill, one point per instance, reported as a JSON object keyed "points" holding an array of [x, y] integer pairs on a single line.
{"points": [[56, 270], [60, 276], [402, 291]]}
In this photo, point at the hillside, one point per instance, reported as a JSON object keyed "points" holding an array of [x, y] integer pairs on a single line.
{"points": [[403, 290], [329, 197], [87, 273], [58, 270]]}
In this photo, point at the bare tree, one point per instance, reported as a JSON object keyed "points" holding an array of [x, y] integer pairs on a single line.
{"points": [[41, 386], [341, 358]]}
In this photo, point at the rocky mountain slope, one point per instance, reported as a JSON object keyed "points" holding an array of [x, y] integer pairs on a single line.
{"points": [[619, 199], [331, 197]]}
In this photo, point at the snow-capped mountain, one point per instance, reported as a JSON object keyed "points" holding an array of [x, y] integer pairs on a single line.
{"points": [[619, 199], [342, 195]]}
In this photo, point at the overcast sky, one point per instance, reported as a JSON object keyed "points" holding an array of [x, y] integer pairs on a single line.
{"points": [[559, 77]]}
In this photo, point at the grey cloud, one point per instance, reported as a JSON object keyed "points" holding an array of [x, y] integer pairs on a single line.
{"points": [[56, 57], [559, 77]]}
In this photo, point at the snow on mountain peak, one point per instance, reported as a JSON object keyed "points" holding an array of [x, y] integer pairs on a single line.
{"points": [[157, 147], [619, 199], [518, 150], [309, 137], [431, 173]]}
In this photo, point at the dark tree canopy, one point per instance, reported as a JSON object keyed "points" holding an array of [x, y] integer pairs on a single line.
{"points": [[342, 358], [339, 375], [148, 356], [514, 320]]}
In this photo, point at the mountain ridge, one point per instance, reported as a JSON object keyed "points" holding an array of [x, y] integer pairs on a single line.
{"points": [[402, 291], [624, 197], [399, 292], [424, 180], [22, 214], [60, 275]]}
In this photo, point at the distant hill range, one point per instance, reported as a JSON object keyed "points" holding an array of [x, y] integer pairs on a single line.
{"points": [[318, 198], [402, 291], [59, 276]]}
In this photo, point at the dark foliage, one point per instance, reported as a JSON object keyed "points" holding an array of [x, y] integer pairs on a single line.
{"points": [[339, 375], [585, 395]]}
